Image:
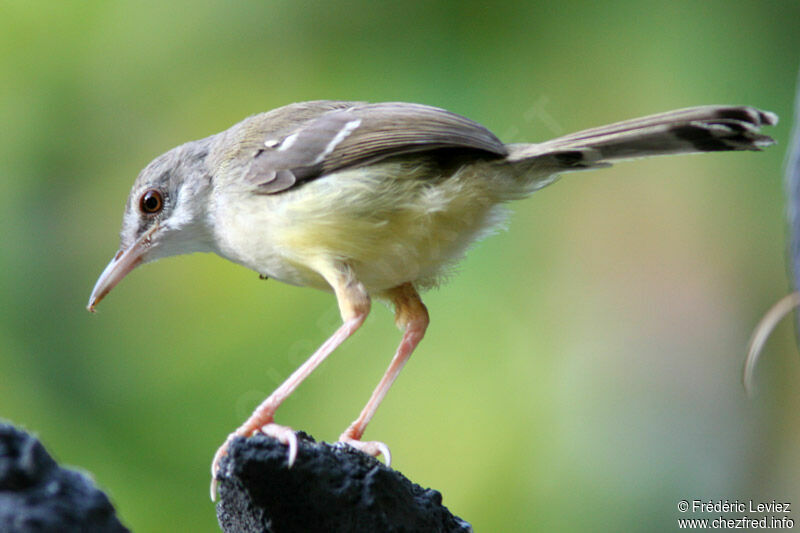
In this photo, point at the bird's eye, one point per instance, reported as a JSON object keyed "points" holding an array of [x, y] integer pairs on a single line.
{"points": [[151, 202]]}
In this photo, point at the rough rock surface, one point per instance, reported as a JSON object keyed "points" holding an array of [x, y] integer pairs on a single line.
{"points": [[37, 495], [329, 488]]}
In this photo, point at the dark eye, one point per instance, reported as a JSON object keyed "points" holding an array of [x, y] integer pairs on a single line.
{"points": [[151, 202]]}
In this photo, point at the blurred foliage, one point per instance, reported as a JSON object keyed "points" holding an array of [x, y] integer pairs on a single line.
{"points": [[582, 369]]}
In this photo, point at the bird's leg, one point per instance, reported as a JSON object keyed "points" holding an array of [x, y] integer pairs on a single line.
{"points": [[412, 317], [354, 305]]}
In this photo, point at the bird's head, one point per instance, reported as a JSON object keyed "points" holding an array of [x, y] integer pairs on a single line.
{"points": [[166, 214]]}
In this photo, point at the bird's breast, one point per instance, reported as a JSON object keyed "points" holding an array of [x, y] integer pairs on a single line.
{"points": [[390, 226]]}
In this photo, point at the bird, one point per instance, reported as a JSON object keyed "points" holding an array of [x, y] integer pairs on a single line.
{"points": [[370, 200]]}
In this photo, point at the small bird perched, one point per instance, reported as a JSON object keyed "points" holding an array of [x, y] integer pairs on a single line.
{"points": [[370, 200]]}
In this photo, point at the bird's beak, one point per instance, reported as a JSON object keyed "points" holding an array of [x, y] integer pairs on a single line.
{"points": [[122, 263]]}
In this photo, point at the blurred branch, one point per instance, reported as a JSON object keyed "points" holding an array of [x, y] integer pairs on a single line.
{"points": [[793, 193], [791, 301]]}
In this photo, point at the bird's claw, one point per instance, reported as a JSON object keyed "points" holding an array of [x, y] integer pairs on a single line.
{"points": [[221, 452], [370, 447], [283, 434]]}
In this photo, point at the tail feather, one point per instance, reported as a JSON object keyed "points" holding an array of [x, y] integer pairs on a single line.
{"points": [[685, 131]]}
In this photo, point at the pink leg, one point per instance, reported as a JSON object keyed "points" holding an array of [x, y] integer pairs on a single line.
{"points": [[411, 315], [264, 413], [354, 304]]}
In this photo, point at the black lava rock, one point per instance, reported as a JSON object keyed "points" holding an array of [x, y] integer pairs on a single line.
{"points": [[37, 495], [329, 488]]}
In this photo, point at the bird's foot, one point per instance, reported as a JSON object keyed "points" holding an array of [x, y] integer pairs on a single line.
{"points": [[370, 447], [284, 434], [221, 452]]}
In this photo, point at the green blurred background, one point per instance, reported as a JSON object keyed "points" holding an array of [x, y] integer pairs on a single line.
{"points": [[582, 370]]}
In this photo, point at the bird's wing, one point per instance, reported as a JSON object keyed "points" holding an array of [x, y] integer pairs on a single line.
{"points": [[362, 134]]}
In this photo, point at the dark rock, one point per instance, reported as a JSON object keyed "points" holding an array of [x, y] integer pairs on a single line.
{"points": [[36, 495], [329, 488]]}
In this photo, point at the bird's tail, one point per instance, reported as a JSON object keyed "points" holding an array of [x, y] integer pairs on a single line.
{"points": [[685, 131]]}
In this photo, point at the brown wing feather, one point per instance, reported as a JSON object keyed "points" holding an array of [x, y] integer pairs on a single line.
{"points": [[362, 134]]}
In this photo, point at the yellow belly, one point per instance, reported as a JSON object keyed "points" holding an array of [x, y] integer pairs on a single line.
{"points": [[389, 230]]}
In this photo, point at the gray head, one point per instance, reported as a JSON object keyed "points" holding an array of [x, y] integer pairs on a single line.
{"points": [[164, 214]]}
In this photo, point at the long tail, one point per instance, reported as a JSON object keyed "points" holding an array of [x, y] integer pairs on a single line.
{"points": [[685, 131]]}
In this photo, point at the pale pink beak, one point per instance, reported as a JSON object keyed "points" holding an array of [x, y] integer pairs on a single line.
{"points": [[122, 263]]}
